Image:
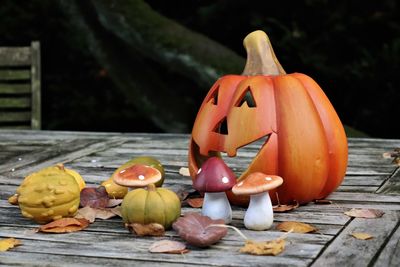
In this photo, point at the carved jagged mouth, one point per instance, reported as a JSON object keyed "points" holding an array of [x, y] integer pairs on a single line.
{"points": [[241, 161]]}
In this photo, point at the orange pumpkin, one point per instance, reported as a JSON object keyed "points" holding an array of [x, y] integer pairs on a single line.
{"points": [[306, 143]]}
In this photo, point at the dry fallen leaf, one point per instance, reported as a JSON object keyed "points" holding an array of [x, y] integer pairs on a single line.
{"points": [[87, 213], [272, 247], [91, 214], [283, 208], [196, 229], [364, 213], [168, 246], [395, 154], [296, 227], [113, 202], [184, 171], [151, 229], [64, 225], [362, 236], [6, 244], [95, 197], [195, 202]]}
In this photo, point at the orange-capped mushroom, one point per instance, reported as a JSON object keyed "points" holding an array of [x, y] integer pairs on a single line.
{"points": [[138, 175], [259, 215]]}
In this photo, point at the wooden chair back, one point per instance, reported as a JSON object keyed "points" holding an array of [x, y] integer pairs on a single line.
{"points": [[20, 100]]}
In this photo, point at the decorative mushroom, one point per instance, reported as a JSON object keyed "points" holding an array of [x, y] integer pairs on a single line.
{"points": [[259, 215], [214, 178], [138, 175]]}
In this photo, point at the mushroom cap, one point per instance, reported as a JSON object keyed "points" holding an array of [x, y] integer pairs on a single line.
{"points": [[257, 182], [214, 176], [138, 175]]}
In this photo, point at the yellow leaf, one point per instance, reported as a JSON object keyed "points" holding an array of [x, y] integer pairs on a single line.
{"points": [[362, 236], [296, 227], [6, 244], [273, 247]]}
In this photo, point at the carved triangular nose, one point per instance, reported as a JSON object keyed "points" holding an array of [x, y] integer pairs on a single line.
{"points": [[221, 127]]}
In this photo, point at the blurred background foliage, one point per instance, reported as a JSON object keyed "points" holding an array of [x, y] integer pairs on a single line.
{"points": [[145, 66]]}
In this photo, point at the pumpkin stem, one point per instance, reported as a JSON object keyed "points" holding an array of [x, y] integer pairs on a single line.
{"points": [[261, 59], [151, 187]]}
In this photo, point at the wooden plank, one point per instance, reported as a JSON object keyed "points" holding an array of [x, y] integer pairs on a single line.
{"points": [[345, 250], [17, 88], [47, 153], [14, 74], [21, 258], [64, 155], [15, 56], [392, 185], [15, 102], [36, 120], [390, 254], [362, 197], [137, 252], [15, 116], [357, 189]]}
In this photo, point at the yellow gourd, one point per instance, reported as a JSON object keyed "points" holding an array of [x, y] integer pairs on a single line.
{"points": [[49, 194], [114, 190]]}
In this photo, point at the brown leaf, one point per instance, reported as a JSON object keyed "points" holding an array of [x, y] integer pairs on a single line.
{"points": [[94, 197], [64, 225], [6, 244], [184, 171], [284, 208], [362, 236], [168, 246], [87, 213], [272, 247], [196, 230], [104, 214], [151, 229], [364, 213], [113, 202], [296, 227], [91, 214], [195, 202], [395, 154], [117, 211]]}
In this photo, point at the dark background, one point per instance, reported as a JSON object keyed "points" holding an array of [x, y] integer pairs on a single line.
{"points": [[351, 48]]}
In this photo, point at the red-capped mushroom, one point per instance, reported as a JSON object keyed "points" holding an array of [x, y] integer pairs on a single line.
{"points": [[259, 215], [138, 175], [214, 178]]}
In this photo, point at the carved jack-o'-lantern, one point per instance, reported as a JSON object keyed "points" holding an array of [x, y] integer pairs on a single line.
{"points": [[305, 141]]}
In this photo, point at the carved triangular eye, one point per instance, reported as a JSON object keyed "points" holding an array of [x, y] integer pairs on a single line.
{"points": [[248, 98], [214, 97], [221, 127]]}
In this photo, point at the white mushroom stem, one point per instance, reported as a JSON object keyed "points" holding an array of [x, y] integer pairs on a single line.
{"points": [[259, 215], [216, 206]]}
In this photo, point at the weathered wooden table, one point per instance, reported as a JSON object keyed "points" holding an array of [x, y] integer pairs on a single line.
{"points": [[371, 182]]}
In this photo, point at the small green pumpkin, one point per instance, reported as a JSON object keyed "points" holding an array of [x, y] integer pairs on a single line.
{"points": [[151, 205]]}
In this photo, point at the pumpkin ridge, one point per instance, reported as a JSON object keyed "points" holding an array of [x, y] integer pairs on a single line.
{"points": [[164, 208]]}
